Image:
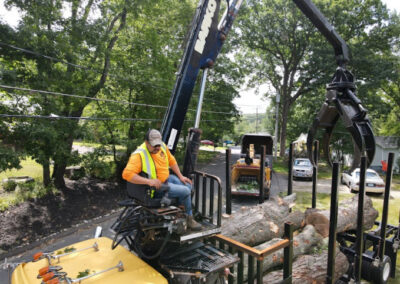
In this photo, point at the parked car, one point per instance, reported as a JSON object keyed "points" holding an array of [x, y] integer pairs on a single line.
{"points": [[373, 182], [207, 142], [302, 168]]}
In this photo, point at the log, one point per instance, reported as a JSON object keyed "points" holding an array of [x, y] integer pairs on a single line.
{"points": [[303, 243], [311, 269], [261, 223], [347, 216]]}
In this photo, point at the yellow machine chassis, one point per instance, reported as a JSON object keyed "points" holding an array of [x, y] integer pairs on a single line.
{"points": [[241, 168], [135, 269]]}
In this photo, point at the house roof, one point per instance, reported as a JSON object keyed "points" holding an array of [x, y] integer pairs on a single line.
{"points": [[388, 141]]}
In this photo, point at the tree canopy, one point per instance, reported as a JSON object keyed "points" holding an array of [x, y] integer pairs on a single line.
{"points": [[103, 71]]}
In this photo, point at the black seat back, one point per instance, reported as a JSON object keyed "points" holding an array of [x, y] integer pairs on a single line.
{"points": [[142, 194]]}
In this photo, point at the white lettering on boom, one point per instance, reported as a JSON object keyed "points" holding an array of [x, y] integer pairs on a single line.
{"points": [[205, 26]]}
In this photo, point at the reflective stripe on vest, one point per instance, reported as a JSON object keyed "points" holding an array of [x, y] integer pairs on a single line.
{"points": [[147, 161]]}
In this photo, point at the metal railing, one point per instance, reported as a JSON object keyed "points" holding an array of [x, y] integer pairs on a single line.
{"points": [[253, 255], [207, 185]]}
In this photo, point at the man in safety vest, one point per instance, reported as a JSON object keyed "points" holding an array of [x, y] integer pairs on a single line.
{"points": [[154, 158]]}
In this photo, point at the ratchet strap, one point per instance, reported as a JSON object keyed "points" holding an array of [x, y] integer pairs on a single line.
{"points": [[341, 101]]}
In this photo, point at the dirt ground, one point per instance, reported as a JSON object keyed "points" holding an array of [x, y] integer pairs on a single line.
{"points": [[80, 201]]}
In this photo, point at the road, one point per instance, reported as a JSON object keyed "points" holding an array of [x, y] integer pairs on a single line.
{"points": [[86, 229]]}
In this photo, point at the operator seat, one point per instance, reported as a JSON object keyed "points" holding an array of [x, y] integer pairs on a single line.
{"points": [[144, 195]]}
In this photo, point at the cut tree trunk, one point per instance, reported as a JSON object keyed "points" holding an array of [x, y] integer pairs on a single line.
{"points": [[303, 243], [311, 269], [347, 216], [261, 223]]}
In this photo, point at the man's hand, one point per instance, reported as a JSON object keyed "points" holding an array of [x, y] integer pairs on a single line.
{"points": [[185, 180], [155, 183]]}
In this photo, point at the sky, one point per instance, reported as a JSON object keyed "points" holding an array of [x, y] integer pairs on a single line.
{"points": [[249, 101]]}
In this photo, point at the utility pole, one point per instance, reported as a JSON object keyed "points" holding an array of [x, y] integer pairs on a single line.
{"points": [[276, 124]]}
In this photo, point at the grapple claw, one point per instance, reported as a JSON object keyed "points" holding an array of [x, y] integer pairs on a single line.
{"points": [[342, 102]]}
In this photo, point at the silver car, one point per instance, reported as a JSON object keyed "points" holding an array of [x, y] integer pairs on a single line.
{"points": [[302, 168]]}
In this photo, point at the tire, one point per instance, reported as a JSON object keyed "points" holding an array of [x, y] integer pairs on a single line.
{"points": [[379, 274]]}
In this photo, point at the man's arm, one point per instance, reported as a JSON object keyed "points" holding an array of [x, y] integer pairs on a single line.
{"points": [[177, 171], [132, 170], [137, 179]]}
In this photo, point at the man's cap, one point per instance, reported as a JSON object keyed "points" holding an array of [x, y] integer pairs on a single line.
{"points": [[154, 137]]}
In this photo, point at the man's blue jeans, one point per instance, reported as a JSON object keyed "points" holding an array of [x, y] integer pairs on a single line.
{"points": [[178, 189]]}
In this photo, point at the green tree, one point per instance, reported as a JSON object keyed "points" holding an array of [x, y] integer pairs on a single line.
{"points": [[284, 50], [85, 38]]}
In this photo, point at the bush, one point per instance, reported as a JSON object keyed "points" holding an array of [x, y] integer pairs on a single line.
{"points": [[9, 186], [96, 164], [33, 190]]}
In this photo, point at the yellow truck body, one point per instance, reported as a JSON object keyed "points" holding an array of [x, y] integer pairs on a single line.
{"points": [[135, 270]]}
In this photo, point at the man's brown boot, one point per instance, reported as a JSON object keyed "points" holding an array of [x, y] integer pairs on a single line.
{"points": [[192, 224]]}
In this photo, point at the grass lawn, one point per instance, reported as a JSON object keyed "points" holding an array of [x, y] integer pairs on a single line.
{"points": [[98, 145], [29, 168], [395, 182], [303, 202]]}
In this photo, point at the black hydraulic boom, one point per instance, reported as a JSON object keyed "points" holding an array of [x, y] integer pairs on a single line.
{"points": [[205, 42], [341, 100]]}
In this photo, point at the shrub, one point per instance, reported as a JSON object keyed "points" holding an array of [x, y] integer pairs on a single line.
{"points": [[96, 164], [9, 185]]}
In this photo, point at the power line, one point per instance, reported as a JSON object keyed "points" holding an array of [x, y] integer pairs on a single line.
{"points": [[77, 96], [87, 118], [45, 56], [74, 117], [97, 99], [93, 70]]}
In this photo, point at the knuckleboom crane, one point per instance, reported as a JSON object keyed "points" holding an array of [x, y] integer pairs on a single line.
{"points": [[205, 42]]}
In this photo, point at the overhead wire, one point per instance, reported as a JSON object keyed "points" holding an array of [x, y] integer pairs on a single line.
{"points": [[97, 99], [77, 96], [94, 70], [74, 117], [89, 118]]}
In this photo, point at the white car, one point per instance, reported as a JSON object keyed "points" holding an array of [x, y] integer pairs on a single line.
{"points": [[373, 182], [302, 168]]}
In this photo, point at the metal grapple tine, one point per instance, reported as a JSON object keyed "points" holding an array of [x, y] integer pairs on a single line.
{"points": [[326, 119], [355, 121]]}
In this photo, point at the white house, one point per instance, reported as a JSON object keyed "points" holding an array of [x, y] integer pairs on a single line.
{"points": [[384, 145]]}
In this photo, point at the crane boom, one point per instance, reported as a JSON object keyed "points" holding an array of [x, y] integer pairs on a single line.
{"points": [[321, 23], [206, 38]]}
